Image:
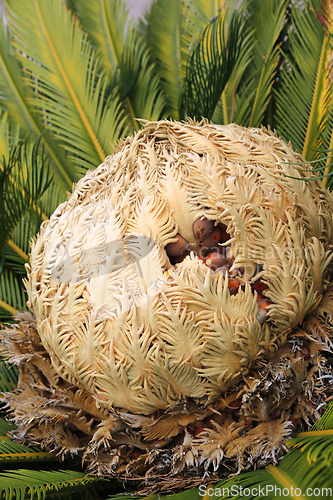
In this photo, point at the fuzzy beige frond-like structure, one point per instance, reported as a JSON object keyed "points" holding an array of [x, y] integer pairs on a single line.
{"points": [[182, 300]]}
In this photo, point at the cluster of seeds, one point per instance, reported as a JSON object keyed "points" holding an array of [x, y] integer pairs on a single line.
{"points": [[214, 249]]}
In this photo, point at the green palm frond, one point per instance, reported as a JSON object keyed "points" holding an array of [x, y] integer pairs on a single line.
{"points": [[267, 20], [317, 444], [305, 81], [49, 201], [210, 64], [12, 294], [326, 421], [68, 81], [315, 476], [196, 16], [119, 45], [199, 13], [109, 28], [5, 426], [9, 135], [10, 451], [8, 379], [30, 484], [233, 103], [146, 99], [15, 258], [23, 180], [14, 96], [165, 36]]}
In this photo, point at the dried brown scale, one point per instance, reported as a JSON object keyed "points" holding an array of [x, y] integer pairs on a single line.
{"points": [[146, 361]]}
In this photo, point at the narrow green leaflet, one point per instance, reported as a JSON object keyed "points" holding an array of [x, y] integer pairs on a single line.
{"points": [[108, 27], [8, 378], [326, 100], [14, 97], [267, 19], [5, 427], [119, 45], [318, 445], [146, 99], [10, 451], [12, 294], [204, 12], [67, 78], [309, 476], [210, 65], [30, 484], [233, 103], [165, 38], [326, 421], [23, 180], [301, 99]]}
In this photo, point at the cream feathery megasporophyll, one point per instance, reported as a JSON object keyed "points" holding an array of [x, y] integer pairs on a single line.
{"points": [[181, 301]]}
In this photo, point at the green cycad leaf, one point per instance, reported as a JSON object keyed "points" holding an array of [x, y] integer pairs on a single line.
{"points": [[112, 32], [12, 294], [5, 426], [326, 104], [22, 221], [48, 202], [8, 381], [196, 16], [67, 79], [165, 34], [146, 99], [10, 451], [29, 484], [308, 476], [267, 18], [326, 421], [108, 26], [193, 18], [302, 96], [14, 97], [23, 180], [229, 108], [13, 260], [210, 65], [10, 138], [316, 444], [204, 12]]}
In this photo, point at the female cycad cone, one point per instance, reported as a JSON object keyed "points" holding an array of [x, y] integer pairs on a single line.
{"points": [[182, 299]]}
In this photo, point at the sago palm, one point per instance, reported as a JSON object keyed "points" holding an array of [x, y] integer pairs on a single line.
{"points": [[77, 77]]}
